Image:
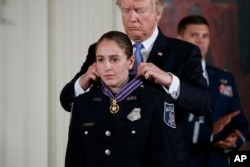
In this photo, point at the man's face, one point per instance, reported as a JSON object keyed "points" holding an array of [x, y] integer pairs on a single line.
{"points": [[139, 18], [197, 34]]}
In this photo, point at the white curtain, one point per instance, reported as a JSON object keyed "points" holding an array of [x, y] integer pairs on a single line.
{"points": [[42, 45]]}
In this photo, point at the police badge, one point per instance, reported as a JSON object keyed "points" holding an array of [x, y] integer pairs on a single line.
{"points": [[169, 115], [135, 114]]}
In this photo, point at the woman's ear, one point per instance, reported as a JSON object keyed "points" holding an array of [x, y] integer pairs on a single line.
{"points": [[131, 61]]}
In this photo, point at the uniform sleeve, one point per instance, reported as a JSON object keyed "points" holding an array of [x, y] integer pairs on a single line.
{"points": [[74, 150], [238, 123], [163, 139], [199, 131]]}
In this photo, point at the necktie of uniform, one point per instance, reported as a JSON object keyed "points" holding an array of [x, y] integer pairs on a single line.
{"points": [[138, 56]]}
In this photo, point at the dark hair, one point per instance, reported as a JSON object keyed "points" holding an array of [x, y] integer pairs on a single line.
{"points": [[121, 39], [191, 19]]}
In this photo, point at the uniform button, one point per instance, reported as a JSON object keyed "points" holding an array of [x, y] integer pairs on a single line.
{"points": [[108, 133], [107, 152], [86, 132], [133, 132]]}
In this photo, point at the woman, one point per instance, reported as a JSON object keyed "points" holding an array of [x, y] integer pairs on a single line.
{"points": [[122, 121]]}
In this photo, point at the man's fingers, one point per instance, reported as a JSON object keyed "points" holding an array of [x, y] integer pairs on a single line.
{"points": [[233, 114], [235, 134]]}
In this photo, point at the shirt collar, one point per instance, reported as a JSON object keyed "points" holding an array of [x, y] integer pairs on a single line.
{"points": [[148, 44], [203, 63]]}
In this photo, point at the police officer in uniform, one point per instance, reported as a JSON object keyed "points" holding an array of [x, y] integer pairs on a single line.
{"points": [[225, 128], [122, 120]]}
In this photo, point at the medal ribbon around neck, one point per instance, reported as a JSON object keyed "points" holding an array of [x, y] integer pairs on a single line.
{"points": [[122, 93]]}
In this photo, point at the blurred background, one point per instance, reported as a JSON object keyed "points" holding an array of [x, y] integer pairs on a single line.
{"points": [[43, 43]]}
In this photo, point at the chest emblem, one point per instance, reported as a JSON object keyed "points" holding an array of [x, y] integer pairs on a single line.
{"points": [[169, 115]]}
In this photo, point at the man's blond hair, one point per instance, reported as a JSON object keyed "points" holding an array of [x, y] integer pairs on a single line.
{"points": [[158, 4]]}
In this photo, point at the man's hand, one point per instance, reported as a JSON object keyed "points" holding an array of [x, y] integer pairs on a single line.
{"points": [[87, 78], [223, 121], [229, 141], [151, 72]]}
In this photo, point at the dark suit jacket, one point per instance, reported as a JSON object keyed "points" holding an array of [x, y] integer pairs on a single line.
{"points": [[181, 58], [98, 138], [225, 99]]}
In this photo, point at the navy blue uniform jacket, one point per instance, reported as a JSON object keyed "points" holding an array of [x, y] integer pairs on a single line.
{"points": [[181, 58], [225, 99], [98, 138]]}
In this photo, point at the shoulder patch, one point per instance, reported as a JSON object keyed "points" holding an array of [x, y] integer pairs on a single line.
{"points": [[169, 115]]}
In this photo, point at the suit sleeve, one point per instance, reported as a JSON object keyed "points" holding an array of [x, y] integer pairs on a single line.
{"points": [[67, 94], [194, 94]]}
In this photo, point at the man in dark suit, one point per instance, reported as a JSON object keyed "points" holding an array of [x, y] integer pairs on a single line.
{"points": [[225, 128], [171, 63]]}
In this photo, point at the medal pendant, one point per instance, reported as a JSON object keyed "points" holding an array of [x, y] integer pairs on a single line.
{"points": [[114, 108]]}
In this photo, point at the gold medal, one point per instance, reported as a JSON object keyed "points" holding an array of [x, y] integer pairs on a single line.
{"points": [[121, 94], [114, 108]]}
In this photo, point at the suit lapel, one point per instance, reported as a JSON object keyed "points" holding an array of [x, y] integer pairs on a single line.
{"points": [[159, 51]]}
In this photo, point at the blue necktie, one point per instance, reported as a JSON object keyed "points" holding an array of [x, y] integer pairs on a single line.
{"points": [[138, 56]]}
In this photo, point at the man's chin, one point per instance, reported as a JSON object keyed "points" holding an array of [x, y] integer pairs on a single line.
{"points": [[135, 36]]}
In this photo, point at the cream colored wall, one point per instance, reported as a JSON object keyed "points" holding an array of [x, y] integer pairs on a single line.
{"points": [[42, 45]]}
